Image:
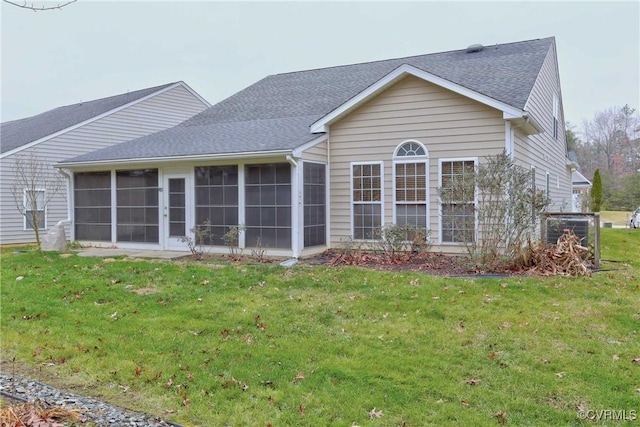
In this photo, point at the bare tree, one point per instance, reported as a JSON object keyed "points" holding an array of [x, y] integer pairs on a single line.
{"points": [[46, 5], [35, 184], [610, 132]]}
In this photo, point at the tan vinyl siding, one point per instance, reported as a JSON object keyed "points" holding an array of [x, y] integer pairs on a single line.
{"points": [[317, 153], [546, 153], [151, 115], [448, 124]]}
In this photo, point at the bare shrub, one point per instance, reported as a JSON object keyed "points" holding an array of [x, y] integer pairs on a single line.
{"points": [[506, 208], [396, 241]]}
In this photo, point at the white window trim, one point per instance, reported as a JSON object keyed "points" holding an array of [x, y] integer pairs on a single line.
{"points": [[410, 159], [475, 198], [414, 141], [548, 184], [555, 122], [27, 208], [351, 201]]}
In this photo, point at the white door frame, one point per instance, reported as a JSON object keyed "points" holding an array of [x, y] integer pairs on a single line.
{"points": [[169, 241]]}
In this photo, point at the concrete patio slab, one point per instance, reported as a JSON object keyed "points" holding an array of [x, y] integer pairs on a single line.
{"points": [[137, 253]]}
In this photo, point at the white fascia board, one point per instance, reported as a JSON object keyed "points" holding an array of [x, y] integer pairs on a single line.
{"points": [[195, 94], [162, 160], [297, 152], [92, 119], [580, 178], [404, 70]]}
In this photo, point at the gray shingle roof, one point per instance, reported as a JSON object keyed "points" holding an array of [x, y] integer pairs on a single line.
{"points": [[16, 133], [276, 112]]}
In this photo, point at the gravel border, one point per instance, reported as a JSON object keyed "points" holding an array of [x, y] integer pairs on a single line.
{"points": [[93, 411]]}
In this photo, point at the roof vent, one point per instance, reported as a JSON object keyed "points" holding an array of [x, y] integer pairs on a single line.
{"points": [[474, 48]]}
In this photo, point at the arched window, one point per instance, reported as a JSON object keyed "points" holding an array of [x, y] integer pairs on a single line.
{"points": [[411, 185], [410, 148]]}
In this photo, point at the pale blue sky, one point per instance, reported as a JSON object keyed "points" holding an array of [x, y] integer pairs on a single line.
{"points": [[93, 49]]}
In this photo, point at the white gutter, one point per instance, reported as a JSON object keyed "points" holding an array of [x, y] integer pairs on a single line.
{"points": [[176, 158], [292, 161]]}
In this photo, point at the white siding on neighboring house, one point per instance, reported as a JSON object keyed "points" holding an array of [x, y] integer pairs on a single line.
{"points": [[156, 113], [544, 151], [449, 125]]}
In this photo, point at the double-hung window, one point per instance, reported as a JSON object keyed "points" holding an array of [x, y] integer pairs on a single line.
{"points": [[410, 171], [34, 209], [457, 201], [366, 199]]}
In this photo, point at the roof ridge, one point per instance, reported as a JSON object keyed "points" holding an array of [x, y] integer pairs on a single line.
{"points": [[403, 57], [157, 88], [151, 90]]}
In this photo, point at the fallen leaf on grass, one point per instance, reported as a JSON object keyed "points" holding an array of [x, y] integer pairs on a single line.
{"points": [[473, 381], [375, 414], [560, 374], [501, 417], [301, 409], [636, 360], [505, 325], [19, 278], [616, 357], [464, 403], [545, 361]]}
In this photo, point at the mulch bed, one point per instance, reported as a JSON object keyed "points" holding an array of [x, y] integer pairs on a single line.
{"points": [[436, 264]]}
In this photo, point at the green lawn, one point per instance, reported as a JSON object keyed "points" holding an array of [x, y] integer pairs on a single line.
{"points": [[615, 217], [256, 345]]}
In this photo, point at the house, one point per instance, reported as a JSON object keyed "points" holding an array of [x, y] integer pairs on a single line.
{"points": [[304, 160], [74, 130], [581, 192]]}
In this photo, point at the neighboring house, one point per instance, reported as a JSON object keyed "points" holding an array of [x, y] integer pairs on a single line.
{"points": [[78, 129], [581, 187], [304, 160]]}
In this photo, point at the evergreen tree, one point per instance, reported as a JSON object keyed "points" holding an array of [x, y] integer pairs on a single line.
{"points": [[596, 192]]}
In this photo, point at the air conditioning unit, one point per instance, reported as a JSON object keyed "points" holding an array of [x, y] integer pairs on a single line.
{"points": [[556, 227]]}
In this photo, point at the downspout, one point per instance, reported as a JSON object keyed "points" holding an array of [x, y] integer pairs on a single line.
{"points": [[68, 177], [68, 220], [292, 161], [295, 214]]}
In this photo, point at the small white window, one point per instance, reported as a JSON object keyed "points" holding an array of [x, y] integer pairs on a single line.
{"points": [[548, 184], [34, 209], [556, 109]]}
